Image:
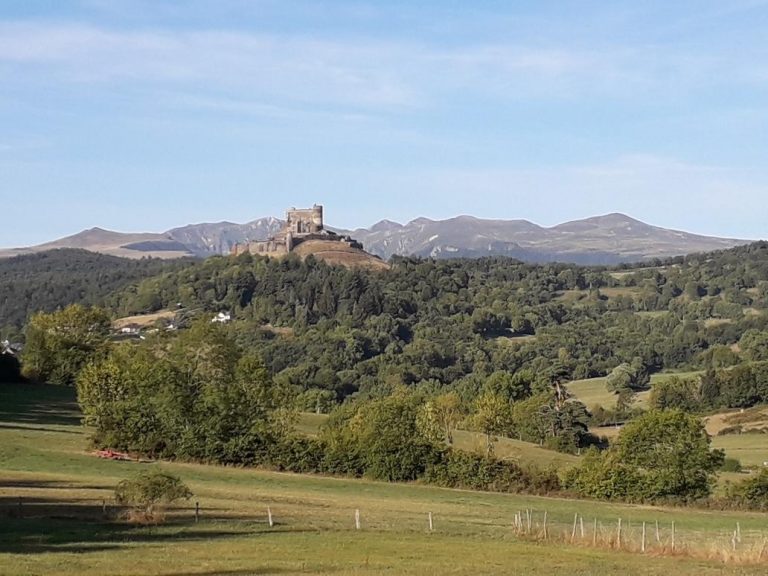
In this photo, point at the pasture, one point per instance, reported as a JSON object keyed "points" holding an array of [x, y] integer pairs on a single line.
{"points": [[57, 518], [592, 391]]}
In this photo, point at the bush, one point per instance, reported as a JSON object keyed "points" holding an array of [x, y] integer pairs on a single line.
{"points": [[148, 491], [601, 476], [459, 469], [660, 456], [297, 454], [731, 465], [752, 493]]}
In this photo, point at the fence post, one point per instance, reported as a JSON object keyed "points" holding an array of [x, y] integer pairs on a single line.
{"points": [[357, 519], [528, 514], [431, 528], [581, 525], [673, 535], [573, 532], [594, 533], [658, 536], [618, 535], [545, 524], [269, 517], [642, 547], [738, 532]]}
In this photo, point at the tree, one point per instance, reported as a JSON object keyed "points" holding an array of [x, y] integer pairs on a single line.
{"points": [[628, 376], [754, 345], [753, 493], [440, 415], [381, 438], [676, 393], [513, 386], [59, 344], [492, 416], [671, 451], [146, 491]]}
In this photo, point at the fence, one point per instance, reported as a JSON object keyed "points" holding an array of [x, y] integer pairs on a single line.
{"points": [[654, 537]]}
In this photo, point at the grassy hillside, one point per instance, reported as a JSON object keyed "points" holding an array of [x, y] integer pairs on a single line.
{"points": [[504, 448], [592, 391], [61, 528]]}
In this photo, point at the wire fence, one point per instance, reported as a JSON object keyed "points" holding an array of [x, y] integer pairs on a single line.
{"points": [[557, 527]]}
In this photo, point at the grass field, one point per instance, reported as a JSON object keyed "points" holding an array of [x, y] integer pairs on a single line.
{"points": [[749, 449], [505, 448], [592, 391], [61, 529], [144, 320]]}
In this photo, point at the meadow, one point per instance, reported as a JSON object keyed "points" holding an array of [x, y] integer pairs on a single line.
{"points": [[592, 391], [57, 517]]}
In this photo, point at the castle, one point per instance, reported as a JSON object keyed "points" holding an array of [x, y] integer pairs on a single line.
{"points": [[301, 225]]}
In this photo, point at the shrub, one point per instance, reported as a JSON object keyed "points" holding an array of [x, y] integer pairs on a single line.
{"points": [[458, 469], [297, 454], [752, 493], [660, 456], [148, 491], [731, 465]]}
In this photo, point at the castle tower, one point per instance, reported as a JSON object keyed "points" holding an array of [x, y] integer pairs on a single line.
{"points": [[301, 222], [317, 218]]}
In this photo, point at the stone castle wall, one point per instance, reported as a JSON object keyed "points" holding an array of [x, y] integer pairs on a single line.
{"points": [[300, 225]]}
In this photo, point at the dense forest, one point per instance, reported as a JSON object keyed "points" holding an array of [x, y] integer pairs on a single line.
{"points": [[50, 280], [454, 323]]}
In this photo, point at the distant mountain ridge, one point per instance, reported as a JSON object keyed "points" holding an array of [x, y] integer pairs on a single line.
{"points": [[608, 239]]}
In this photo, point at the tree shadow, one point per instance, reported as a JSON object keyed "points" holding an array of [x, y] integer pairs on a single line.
{"points": [[31, 525], [39, 405], [34, 426]]}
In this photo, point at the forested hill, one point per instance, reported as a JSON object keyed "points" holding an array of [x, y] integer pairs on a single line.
{"points": [[50, 280], [452, 323]]}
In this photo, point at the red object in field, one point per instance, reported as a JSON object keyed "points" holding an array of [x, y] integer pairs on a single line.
{"points": [[112, 455]]}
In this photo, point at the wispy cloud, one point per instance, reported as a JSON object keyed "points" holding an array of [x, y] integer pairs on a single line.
{"points": [[351, 72]]}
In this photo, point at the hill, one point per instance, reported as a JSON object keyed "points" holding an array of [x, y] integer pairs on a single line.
{"points": [[337, 253], [609, 239], [49, 280], [125, 245]]}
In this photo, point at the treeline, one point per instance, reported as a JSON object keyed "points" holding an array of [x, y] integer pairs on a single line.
{"points": [[741, 386], [53, 279], [335, 332], [197, 395]]}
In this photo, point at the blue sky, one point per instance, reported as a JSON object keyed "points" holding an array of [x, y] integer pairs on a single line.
{"points": [[143, 115]]}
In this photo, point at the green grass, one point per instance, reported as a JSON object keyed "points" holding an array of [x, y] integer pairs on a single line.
{"points": [[62, 531], [592, 391], [749, 449], [309, 423], [505, 448]]}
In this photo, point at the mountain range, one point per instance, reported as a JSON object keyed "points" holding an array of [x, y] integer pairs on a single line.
{"points": [[608, 239]]}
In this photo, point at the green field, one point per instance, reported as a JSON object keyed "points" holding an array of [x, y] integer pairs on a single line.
{"points": [[505, 448], [749, 449], [61, 528], [592, 391]]}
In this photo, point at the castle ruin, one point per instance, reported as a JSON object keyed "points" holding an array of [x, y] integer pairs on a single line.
{"points": [[301, 225]]}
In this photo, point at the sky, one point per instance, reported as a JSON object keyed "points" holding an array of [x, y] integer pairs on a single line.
{"points": [[144, 115]]}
